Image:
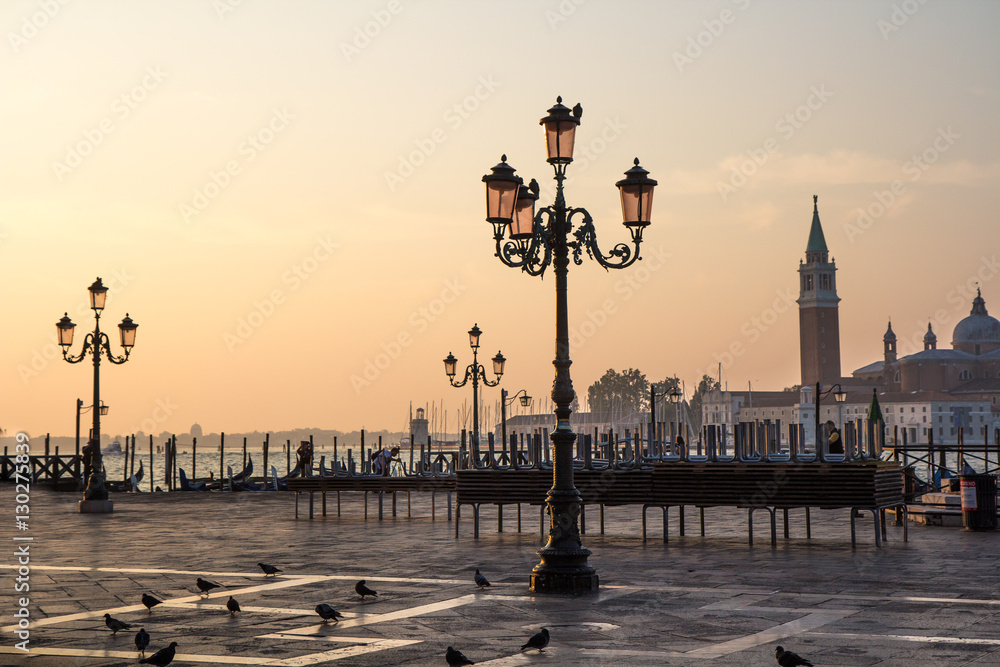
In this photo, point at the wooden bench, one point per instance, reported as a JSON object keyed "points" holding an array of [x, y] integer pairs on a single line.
{"points": [[857, 485], [372, 484]]}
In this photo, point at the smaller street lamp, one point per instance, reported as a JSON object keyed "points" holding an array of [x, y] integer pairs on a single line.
{"points": [[839, 395], [476, 373], [504, 402]]}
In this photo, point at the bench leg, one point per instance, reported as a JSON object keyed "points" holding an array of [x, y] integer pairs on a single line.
{"points": [[310, 504], [809, 531], [324, 503], [449, 504], [681, 520], [854, 542], [475, 521], [785, 518], [296, 504], [458, 515], [750, 521], [665, 531], [338, 503], [774, 528], [702, 509], [602, 518], [879, 527], [499, 518], [408, 505], [366, 505], [380, 496], [644, 522], [433, 497], [519, 517]]}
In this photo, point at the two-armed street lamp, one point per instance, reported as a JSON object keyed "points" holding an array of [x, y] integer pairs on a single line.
{"points": [[95, 498], [838, 394], [475, 372], [534, 242], [504, 402]]}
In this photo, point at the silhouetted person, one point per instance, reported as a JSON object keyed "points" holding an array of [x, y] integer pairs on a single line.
{"points": [[381, 461], [304, 457], [835, 444]]}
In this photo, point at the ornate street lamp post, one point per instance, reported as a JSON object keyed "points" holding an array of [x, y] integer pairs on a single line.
{"points": [[534, 242], [95, 498], [475, 372], [839, 395], [504, 402]]}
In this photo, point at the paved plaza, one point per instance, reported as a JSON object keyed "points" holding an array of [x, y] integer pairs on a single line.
{"points": [[934, 600]]}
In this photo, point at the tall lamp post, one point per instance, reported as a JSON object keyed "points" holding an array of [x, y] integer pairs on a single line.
{"points": [[95, 498], [838, 394], [476, 373], [534, 242], [504, 402]]}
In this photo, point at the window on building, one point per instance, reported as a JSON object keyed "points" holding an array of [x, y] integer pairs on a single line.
{"points": [[924, 408], [913, 409], [925, 421], [895, 378], [965, 374]]}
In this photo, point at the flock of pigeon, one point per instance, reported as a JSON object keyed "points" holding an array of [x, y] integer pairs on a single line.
{"points": [[454, 657]]}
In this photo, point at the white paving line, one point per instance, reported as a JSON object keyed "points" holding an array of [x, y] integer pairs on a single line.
{"points": [[66, 618], [798, 626], [261, 610], [346, 652], [322, 638], [368, 619], [134, 655], [907, 638]]}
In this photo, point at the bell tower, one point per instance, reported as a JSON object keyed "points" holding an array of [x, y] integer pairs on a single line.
{"points": [[819, 321]]}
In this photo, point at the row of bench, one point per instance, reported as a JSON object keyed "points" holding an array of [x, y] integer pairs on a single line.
{"points": [[872, 486]]}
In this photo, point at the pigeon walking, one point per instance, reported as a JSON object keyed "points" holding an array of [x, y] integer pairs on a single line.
{"points": [[326, 612], [149, 601], [481, 581], [269, 569], [115, 624], [233, 606], [161, 658], [789, 659], [363, 590], [142, 641], [539, 640], [205, 586], [455, 658]]}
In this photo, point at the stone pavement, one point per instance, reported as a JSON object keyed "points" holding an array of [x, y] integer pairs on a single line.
{"points": [[697, 600]]}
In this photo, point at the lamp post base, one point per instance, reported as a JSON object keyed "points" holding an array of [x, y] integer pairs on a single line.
{"points": [[575, 581], [96, 506]]}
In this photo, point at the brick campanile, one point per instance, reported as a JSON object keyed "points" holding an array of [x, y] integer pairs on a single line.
{"points": [[819, 321]]}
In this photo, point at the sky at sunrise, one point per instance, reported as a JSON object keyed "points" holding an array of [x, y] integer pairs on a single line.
{"points": [[286, 196]]}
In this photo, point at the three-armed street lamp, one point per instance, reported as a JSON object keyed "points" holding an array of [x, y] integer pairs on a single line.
{"points": [[839, 395], [475, 372], [95, 498], [536, 241], [504, 402]]}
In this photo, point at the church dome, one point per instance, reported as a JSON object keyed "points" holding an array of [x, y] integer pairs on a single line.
{"points": [[978, 327]]}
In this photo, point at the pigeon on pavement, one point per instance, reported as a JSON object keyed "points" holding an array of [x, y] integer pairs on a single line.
{"points": [[115, 624], [269, 569], [539, 640], [455, 658], [205, 586], [233, 606], [149, 601], [161, 658], [142, 641], [789, 659], [326, 612], [363, 590], [481, 581]]}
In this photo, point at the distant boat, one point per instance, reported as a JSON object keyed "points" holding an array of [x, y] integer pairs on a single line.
{"points": [[113, 449]]}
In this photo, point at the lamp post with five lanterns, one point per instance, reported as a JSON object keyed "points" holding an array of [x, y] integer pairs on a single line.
{"points": [[531, 242]]}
